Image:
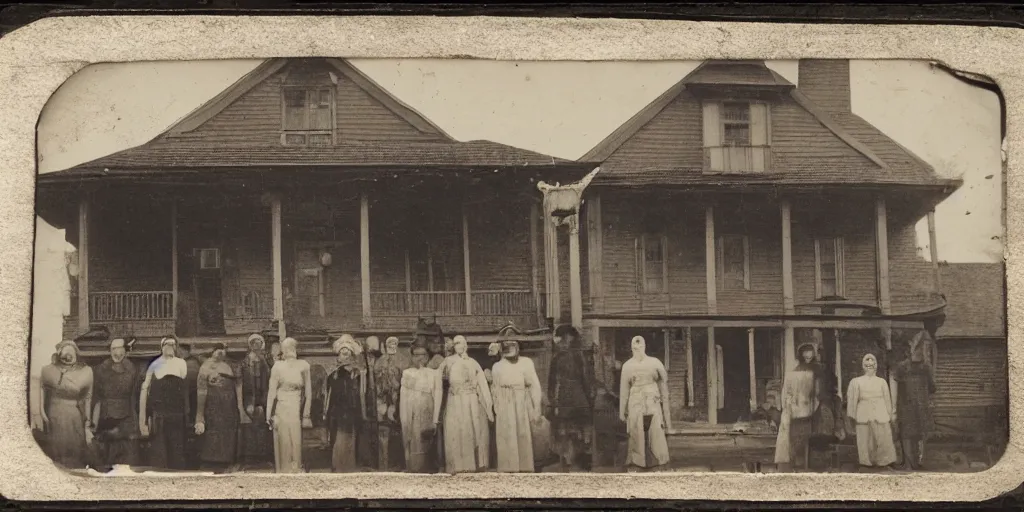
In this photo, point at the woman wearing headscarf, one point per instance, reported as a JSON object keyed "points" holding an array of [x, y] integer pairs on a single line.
{"points": [[219, 412], [290, 391], [257, 441], [643, 406], [516, 395], [346, 403], [165, 399], [571, 384], [67, 387], [468, 408], [419, 411], [800, 390], [869, 406], [116, 408]]}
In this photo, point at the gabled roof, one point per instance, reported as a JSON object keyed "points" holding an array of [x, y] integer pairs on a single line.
{"points": [[887, 162], [976, 300], [177, 149]]}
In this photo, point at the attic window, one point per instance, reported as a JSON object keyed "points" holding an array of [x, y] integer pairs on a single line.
{"points": [[737, 137], [308, 116]]}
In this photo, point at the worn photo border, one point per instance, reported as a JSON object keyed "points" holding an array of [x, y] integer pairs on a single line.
{"points": [[36, 59]]}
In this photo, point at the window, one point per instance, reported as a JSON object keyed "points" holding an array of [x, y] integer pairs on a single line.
{"points": [[209, 259], [308, 116], [652, 262], [737, 137], [734, 262], [828, 267]]}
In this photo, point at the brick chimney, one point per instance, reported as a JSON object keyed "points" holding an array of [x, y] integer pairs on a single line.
{"points": [[826, 82]]}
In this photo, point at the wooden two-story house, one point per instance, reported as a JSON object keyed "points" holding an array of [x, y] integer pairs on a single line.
{"points": [[308, 198], [738, 216]]}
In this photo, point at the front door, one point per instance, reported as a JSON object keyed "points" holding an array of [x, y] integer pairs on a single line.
{"points": [[208, 292], [735, 405]]}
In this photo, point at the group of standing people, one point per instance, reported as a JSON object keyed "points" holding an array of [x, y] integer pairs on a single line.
{"points": [[811, 407]]}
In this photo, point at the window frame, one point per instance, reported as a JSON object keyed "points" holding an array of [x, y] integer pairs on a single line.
{"points": [[723, 123], [201, 252], [641, 243], [307, 132], [839, 253], [720, 262], [756, 153]]}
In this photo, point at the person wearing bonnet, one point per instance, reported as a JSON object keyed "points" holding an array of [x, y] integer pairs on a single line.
{"points": [[164, 406], [257, 441], [346, 404], [467, 410], [419, 411], [870, 408], [66, 399], [116, 409]]}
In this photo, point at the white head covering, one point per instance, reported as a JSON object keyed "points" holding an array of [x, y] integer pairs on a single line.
{"points": [[347, 341]]}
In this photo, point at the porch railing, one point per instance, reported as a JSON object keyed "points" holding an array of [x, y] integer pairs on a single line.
{"points": [[452, 303], [152, 305]]}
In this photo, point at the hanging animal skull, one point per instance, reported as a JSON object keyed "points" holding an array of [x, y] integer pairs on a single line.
{"points": [[562, 202]]}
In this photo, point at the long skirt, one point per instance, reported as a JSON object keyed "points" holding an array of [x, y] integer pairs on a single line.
{"points": [[167, 442], [343, 453], [647, 444], [219, 442], [466, 442], [513, 436], [288, 434], [67, 433], [257, 440], [800, 431], [874, 444], [119, 448]]}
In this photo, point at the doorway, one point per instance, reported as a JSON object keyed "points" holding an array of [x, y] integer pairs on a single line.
{"points": [[208, 292], [735, 386]]}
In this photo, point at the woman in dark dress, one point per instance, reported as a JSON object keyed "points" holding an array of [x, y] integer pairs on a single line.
{"points": [[915, 380], [164, 406], [116, 409], [219, 411], [346, 404], [66, 396], [571, 384], [257, 439]]}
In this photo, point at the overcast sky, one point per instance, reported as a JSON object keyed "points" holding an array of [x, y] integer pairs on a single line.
{"points": [[557, 108]]}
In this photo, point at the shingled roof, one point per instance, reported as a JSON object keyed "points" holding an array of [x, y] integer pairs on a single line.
{"points": [[976, 300], [177, 149], [878, 159]]}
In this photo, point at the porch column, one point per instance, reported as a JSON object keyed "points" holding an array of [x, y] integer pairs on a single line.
{"points": [[575, 285], [934, 246], [465, 260], [275, 235], [174, 261], [752, 368], [595, 251], [788, 305], [839, 366], [788, 352], [364, 252], [83, 266], [882, 256], [689, 366], [709, 260], [554, 300], [712, 378], [534, 279]]}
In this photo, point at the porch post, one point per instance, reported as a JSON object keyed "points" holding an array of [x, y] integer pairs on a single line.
{"points": [[275, 234], [465, 260], [534, 280], [934, 246], [554, 299], [595, 251], [575, 286], [689, 366], [788, 352], [839, 365], [712, 365], [787, 259], [882, 257], [364, 252], [752, 368], [709, 260], [83, 266], [174, 261]]}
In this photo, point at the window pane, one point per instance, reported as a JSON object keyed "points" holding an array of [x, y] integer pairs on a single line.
{"points": [[652, 252], [739, 112], [827, 249], [737, 135], [320, 139], [828, 271], [325, 98], [828, 287], [295, 139], [295, 98]]}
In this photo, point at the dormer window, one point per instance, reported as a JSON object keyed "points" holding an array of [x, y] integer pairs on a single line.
{"points": [[308, 116], [737, 137]]}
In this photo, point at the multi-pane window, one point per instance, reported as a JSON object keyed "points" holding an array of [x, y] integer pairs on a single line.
{"points": [[737, 136], [652, 263], [308, 116], [828, 256], [734, 262], [735, 124]]}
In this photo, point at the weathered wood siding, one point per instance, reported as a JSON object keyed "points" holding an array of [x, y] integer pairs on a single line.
{"points": [[129, 245], [499, 245], [971, 386], [851, 219], [255, 117], [911, 277]]}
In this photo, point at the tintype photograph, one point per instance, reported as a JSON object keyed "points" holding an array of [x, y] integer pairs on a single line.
{"points": [[330, 265]]}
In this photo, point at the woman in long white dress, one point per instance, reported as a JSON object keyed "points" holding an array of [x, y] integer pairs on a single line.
{"points": [[467, 412], [643, 406], [289, 382], [419, 410], [517, 404], [869, 405]]}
